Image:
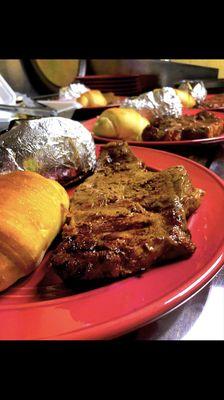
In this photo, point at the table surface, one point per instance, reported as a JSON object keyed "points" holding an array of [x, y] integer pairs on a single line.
{"points": [[202, 316]]}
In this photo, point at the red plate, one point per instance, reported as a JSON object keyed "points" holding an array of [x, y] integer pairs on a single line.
{"points": [[90, 123], [40, 307]]}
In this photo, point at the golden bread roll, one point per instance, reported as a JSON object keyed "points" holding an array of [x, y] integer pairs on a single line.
{"points": [[92, 98], [111, 97], [120, 123], [33, 209], [186, 99]]}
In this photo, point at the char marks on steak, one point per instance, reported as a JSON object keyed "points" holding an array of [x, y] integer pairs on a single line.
{"points": [[124, 218], [200, 126]]}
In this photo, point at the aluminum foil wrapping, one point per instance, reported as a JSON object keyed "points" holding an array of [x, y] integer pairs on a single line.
{"points": [[195, 88], [72, 91], [56, 147], [162, 101]]}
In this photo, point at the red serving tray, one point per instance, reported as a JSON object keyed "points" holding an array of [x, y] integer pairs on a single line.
{"points": [[41, 307]]}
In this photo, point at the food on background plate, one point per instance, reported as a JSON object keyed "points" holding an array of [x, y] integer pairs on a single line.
{"points": [[72, 92], [56, 147], [124, 218], [163, 102], [147, 113], [120, 123], [95, 98], [33, 209], [195, 88], [87, 97], [214, 102], [146, 125], [112, 98], [92, 98], [186, 98], [199, 126]]}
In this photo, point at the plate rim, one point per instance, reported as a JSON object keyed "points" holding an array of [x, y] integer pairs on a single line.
{"points": [[129, 328]]}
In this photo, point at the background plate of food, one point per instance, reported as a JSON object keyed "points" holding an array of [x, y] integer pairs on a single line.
{"points": [[195, 127], [95, 102], [42, 306], [88, 105], [213, 102]]}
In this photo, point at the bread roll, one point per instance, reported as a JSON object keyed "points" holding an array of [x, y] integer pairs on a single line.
{"points": [[111, 97], [120, 123], [33, 209], [92, 98], [186, 99]]}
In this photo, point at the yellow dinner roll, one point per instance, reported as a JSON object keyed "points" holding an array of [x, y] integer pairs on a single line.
{"points": [[120, 123]]}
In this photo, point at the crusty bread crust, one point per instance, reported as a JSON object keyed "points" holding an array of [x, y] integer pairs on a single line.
{"points": [[33, 209]]}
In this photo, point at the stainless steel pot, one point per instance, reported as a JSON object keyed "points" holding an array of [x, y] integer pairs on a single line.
{"points": [[15, 74], [25, 76]]}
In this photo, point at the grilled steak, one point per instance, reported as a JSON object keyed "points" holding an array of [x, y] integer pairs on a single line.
{"points": [[124, 218], [202, 125], [214, 102]]}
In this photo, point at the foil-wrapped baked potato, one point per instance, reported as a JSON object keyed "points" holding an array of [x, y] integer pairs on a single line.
{"points": [[56, 147], [195, 88]]}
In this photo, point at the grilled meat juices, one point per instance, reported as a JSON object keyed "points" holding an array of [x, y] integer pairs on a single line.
{"points": [[124, 218]]}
